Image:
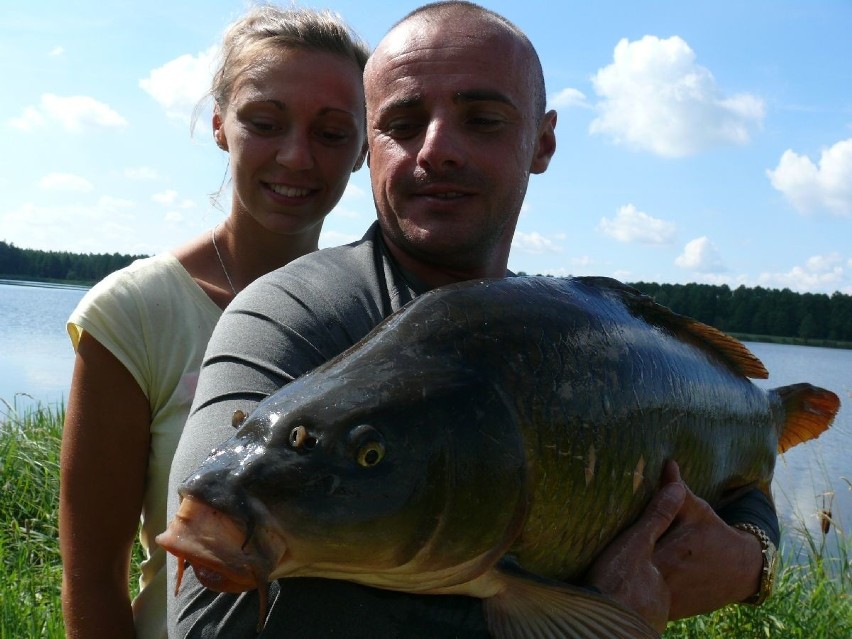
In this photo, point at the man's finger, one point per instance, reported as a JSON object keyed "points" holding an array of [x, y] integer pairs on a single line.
{"points": [[662, 509]]}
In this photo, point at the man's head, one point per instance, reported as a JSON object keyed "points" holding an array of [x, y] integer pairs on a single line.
{"points": [[455, 123]]}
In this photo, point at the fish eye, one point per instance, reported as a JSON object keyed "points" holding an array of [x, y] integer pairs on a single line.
{"points": [[367, 444], [371, 454]]}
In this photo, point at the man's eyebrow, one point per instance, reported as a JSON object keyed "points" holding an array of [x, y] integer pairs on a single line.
{"points": [[461, 97], [482, 95], [406, 102]]}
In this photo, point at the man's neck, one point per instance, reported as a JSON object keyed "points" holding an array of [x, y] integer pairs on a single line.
{"points": [[429, 275]]}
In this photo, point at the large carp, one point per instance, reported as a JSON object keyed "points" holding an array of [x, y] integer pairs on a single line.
{"points": [[525, 418]]}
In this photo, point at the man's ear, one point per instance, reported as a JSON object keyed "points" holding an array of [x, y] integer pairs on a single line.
{"points": [[218, 131], [364, 155], [545, 143]]}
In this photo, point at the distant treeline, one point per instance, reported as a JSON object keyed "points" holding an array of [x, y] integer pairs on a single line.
{"points": [[18, 263], [811, 317]]}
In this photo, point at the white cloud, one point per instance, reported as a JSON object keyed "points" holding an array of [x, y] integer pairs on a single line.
{"points": [[568, 98], [65, 182], [171, 199], [700, 255], [56, 51], [810, 187], [180, 84], [656, 98], [353, 192], [330, 238], [30, 119], [827, 273], [74, 113], [536, 243], [141, 173], [68, 227], [631, 225], [165, 198]]}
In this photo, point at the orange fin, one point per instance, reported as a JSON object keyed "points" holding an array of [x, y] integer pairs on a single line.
{"points": [[810, 411], [530, 606], [730, 348], [727, 348]]}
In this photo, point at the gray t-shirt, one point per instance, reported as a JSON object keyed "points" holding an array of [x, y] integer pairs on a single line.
{"points": [[282, 326]]}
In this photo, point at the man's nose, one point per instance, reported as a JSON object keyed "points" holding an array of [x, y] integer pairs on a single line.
{"points": [[442, 147]]}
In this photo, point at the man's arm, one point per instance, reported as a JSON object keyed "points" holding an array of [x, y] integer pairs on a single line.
{"points": [[274, 331]]}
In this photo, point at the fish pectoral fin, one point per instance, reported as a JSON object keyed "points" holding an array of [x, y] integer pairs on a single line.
{"points": [[530, 606]]}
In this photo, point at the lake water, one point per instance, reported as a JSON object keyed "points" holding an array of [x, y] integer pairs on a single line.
{"points": [[36, 357], [36, 361]]}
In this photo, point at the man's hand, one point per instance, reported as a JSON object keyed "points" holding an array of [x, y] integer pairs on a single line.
{"points": [[679, 559], [706, 563], [626, 569]]}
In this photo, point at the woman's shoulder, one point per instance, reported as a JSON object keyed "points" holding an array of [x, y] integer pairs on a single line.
{"points": [[150, 275], [149, 281]]}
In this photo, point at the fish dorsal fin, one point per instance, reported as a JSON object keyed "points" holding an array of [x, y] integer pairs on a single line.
{"points": [[728, 348], [530, 606], [810, 411]]}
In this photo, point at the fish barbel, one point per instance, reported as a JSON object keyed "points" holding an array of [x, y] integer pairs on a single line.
{"points": [[490, 439]]}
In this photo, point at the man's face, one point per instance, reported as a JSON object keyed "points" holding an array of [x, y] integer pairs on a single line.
{"points": [[453, 138]]}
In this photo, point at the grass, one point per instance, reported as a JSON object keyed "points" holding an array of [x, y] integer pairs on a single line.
{"points": [[30, 568], [813, 596], [808, 602]]}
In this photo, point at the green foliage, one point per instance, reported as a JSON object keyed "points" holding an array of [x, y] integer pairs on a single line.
{"points": [[63, 266], [30, 563], [30, 569], [759, 311], [807, 604]]}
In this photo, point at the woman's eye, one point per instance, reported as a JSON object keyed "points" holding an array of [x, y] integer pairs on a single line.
{"points": [[263, 126], [334, 136]]}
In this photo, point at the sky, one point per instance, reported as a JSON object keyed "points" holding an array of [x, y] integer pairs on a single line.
{"points": [[705, 142]]}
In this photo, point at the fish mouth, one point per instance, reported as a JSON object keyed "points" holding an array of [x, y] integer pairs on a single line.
{"points": [[221, 553], [224, 557]]}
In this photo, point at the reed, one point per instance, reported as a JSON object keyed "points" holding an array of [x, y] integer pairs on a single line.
{"points": [[813, 595], [30, 568]]}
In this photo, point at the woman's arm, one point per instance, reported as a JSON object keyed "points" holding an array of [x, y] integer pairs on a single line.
{"points": [[103, 461]]}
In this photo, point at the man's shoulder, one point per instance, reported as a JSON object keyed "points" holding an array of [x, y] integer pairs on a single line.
{"points": [[353, 277], [357, 259], [328, 299]]}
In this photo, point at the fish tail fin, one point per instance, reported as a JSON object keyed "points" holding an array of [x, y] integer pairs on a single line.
{"points": [[531, 606], [810, 411]]}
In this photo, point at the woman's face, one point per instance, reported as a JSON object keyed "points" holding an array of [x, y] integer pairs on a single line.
{"points": [[294, 128]]}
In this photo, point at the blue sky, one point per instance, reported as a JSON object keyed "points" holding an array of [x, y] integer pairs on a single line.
{"points": [[697, 141]]}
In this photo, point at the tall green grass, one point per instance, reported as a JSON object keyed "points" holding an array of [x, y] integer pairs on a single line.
{"points": [[30, 568], [812, 600]]}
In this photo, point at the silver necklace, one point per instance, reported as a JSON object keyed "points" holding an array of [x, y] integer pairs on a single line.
{"points": [[221, 262]]}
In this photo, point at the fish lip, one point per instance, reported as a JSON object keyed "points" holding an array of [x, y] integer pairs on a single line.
{"points": [[214, 578], [223, 555]]}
